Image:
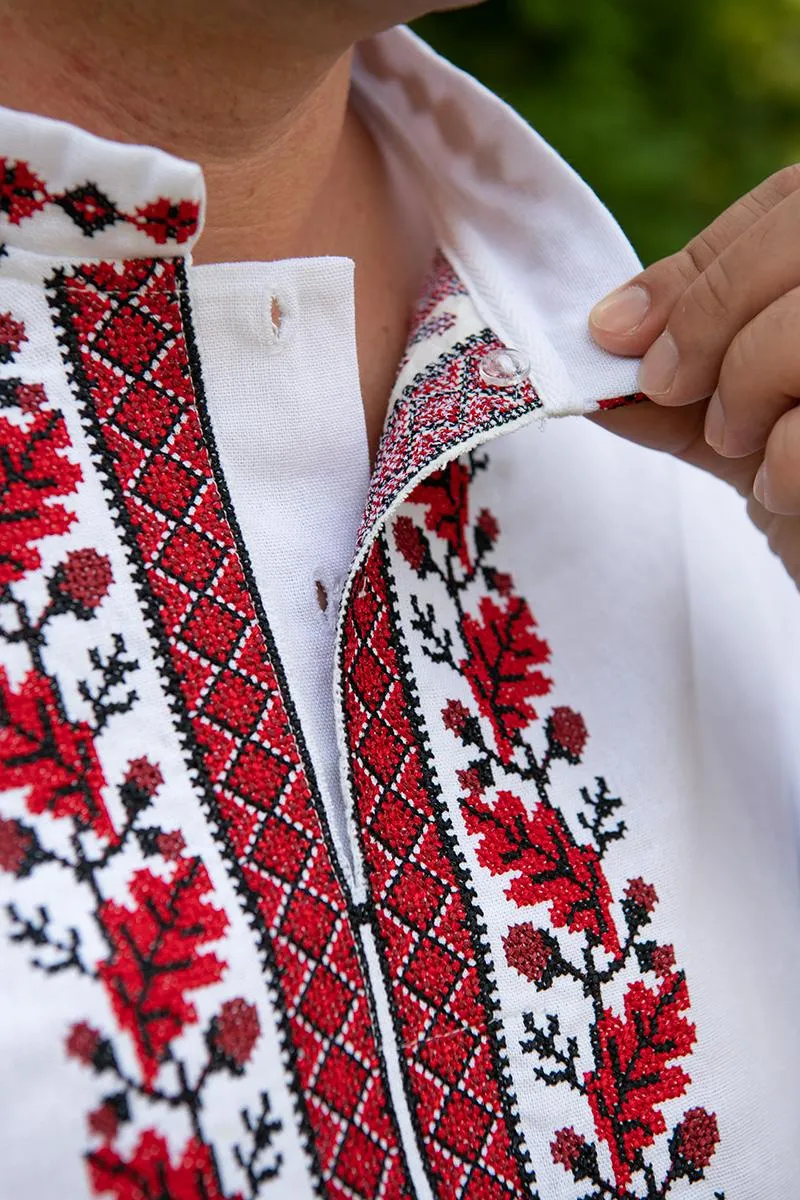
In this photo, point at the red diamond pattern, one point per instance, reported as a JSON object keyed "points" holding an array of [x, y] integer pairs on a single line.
{"points": [[125, 334], [443, 405], [23, 194], [444, 1026]]}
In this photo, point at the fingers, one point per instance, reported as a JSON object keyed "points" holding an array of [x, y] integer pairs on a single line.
{"points": [[758, 268], [679, 431], [777, 485], [759, 380], [631, 318]]}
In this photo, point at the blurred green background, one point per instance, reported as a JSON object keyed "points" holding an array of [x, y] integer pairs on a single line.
{"points": [[671, 109]]}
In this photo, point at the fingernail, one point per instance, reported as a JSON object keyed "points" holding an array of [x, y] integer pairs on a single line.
{"points": [[715, 424], [760, 485], [659, 367], [621, 311]]}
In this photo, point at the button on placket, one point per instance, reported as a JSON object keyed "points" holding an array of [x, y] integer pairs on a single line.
{"points": [[504, 368]]}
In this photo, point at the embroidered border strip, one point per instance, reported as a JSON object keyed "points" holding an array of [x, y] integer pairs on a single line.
{"points": [[124, 338]]}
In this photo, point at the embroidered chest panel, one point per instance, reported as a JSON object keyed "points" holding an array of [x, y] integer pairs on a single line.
{"points": [[126, 350], [171, 881], [589, 1006]]}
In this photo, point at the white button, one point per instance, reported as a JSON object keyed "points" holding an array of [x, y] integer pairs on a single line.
{"points": [[504, 368]]}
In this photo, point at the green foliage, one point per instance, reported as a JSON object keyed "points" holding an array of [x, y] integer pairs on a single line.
{"points": [[670, 110]]}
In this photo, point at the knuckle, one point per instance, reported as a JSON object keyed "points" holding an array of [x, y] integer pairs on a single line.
{"points": [[781, 184], [695, 257], [667, 279], [703, 305], [712, 293]]}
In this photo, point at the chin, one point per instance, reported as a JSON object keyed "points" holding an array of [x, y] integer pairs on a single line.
{"points": [[394, 11], [442, 5]]}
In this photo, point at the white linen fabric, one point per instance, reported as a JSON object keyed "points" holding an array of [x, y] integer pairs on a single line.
{"points": [[423, 832]]}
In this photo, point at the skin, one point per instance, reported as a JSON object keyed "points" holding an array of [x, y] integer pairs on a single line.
{"points": [[719, 326]]}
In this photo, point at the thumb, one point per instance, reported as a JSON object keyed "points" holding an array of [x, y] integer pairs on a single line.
{"points": [[629, 319]]}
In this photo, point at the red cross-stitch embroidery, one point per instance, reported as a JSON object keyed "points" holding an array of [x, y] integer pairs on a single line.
{"points": [[481, 629], [158, 945], [12, 335], [126, 343], [443, 1020], [444, 404], [23, 194]]}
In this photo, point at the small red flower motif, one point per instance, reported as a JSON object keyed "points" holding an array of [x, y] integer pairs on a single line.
{"points": [[455, 716], [641, 893], [568, 733], [527, 950], [487, 524], [15, 844], [237, 1030], [166, 221], [171, 845], [21, 192], [410, 541], [566, 1148], [82, 1043], [12, 335], [145, 776], [104, 1121], [84, 578], [697, 1137], [662, 960], [470, 781]]}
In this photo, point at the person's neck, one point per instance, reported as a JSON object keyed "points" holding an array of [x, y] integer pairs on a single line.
{"points": [[266, 119], [290, 168]]}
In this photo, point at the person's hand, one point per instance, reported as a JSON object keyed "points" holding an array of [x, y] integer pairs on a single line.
{"points": [[719, 326]]}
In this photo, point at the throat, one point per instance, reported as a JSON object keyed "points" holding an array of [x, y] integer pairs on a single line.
{"points": [[365, 207], [384, 226]]}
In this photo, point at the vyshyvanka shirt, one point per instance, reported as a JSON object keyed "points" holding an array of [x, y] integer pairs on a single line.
{"points": [[423, 833]]}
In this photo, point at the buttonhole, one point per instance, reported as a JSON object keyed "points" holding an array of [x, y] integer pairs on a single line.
{"points": [[322, 596], [276, 316]]}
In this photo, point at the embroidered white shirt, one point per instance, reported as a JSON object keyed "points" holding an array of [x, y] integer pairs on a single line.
{"points": [[480, 881]]}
